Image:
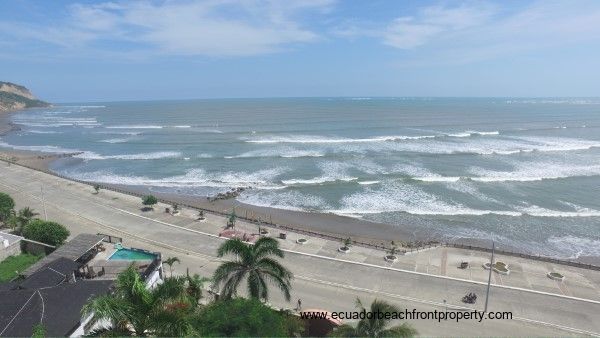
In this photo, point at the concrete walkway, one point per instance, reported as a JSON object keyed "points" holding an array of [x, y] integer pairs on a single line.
{"points": [[326, 278]]}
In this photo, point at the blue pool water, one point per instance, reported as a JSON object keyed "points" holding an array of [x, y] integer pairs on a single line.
{"points": [[131, 255]]}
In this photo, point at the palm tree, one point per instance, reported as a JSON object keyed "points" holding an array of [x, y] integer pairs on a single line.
{"points": [[232, 218], [194, 286], [162, 311], [255, 264], [97, 188], [21, 218], [347, 243], [26, 214], [375, 326], [170, 261]]}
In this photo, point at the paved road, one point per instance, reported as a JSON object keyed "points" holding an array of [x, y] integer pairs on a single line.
{"points": [[321, 282]]}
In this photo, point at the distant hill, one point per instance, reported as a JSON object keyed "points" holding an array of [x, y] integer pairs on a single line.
{"points": [[15, 97]]}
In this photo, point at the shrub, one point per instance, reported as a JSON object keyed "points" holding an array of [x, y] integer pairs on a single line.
{"points": [[47, 232], [240, 317], [7, 204], [149, 200]]}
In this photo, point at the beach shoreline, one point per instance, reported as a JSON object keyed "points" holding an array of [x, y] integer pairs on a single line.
{"points": [[312, 224], [317, 223]]}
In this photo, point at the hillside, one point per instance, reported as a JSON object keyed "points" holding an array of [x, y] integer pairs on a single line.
{"points": [[15, 97]]}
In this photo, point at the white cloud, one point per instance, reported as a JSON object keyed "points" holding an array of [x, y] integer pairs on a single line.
{"points": [[412, 31], [210, 27], [482, 30]]}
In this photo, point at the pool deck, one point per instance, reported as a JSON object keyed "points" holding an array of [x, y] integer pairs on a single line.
{"points": [[113, 267]]}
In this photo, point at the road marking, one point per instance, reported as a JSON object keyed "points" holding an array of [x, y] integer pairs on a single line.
{"points": [[344, 260], [212, 258], [443, 305]]}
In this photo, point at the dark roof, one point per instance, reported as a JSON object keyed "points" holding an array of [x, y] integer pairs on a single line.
{"points": [[57, 308], [72, 250], [52, 274]]}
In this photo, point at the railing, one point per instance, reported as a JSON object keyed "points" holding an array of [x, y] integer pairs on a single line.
{"points": [[110, 238], [258, 221]]}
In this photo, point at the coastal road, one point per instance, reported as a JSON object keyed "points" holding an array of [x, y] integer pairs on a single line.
{"points": [[321, 282]]}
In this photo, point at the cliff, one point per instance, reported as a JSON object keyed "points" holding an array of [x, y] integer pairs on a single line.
{"points": [[15, 97]]}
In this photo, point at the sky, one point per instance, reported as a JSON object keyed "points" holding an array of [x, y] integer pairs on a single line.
{"points": [[84, 51]]}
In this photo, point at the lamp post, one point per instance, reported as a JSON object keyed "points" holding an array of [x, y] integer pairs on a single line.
{"points": [[43, 202], [487, 295]]}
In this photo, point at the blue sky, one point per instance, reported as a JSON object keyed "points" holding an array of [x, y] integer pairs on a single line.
{"points": [[137, 50]]}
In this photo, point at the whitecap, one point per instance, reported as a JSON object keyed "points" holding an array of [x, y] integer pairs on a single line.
{"points": [[135, 126], [88, 155]]}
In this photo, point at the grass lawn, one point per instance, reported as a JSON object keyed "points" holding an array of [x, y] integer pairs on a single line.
{"points": [[10, 265]]}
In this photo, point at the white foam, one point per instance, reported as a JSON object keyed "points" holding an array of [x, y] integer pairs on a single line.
{"points": [[44, 149], [322, 139], [131, 133], [262, 179], [288, 200], [543, 212], [135, 126], [182, 126], [285, 152], [325, 139], [535, 171], [367, 182], [437, 178], [96, 106], [33, 131], [575, 246], [317, 180], [88, 155], [116, 140]]}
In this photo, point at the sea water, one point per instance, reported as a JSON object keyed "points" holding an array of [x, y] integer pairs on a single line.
{"points": [[525, 172]]}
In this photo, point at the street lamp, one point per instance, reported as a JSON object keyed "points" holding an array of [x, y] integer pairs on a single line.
{"points": [[487, 295]]}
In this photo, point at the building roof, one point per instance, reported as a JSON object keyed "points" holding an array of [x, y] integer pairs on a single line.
{"points": [[57, 308], [72, 250], [52, 274]]}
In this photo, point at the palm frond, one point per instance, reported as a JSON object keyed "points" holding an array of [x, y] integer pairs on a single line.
{"points": [[404, 331]]}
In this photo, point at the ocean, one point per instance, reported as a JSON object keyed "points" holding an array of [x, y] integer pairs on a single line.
{"points": [[524, 172]]}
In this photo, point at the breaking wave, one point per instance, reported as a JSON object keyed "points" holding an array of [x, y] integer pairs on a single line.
{"points": [[88, 155]]}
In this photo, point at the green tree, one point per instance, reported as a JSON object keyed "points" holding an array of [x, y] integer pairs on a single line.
{"points": [[375, 326], [165, 310], [51, 233], [39, 331], [256, 264], [239, 317], [149, 201], [170, 261], [7, 205], [19, 220], [96, 188]]}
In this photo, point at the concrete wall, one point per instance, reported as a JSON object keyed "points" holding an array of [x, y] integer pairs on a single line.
{"points": [[154, 278], [12, 250]]}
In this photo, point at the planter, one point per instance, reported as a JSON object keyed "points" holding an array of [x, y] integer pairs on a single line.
{"points": [[343, 249], [499, 267], [555, 276], [301, 240], [391, 258]]}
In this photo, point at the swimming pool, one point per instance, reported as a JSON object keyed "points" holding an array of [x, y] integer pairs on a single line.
{"points": [[131, 255]]}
